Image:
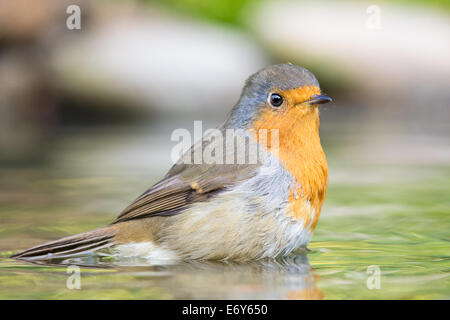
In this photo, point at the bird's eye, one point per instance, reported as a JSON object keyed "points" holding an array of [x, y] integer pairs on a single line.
{"points": [[276, 100]]}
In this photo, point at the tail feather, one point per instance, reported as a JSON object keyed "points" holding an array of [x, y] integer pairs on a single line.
{"points": [[70, 246]]}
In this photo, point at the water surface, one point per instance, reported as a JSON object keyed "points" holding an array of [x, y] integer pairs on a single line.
{"points": [[386, 213]]}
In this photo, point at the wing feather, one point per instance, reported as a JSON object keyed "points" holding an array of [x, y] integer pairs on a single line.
{"points": [[173, 194], [185, 184]]}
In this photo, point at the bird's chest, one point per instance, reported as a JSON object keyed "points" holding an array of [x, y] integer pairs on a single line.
{"points": [[300, 155], [289, 233], [307, 165], [278, 209]]}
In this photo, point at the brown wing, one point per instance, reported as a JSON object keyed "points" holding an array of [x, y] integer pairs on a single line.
{"points": [[184, 185]]}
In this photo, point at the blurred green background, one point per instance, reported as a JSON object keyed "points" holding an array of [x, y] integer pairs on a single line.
{"points": [[86, 118]]}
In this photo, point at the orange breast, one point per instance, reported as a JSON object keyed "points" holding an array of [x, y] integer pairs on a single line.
{"points": [[300, 151]]}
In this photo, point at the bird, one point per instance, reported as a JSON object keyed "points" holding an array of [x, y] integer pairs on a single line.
{"points": [[241, 211]]}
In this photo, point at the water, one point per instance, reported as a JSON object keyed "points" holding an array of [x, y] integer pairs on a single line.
{"points": [[381, 213]]}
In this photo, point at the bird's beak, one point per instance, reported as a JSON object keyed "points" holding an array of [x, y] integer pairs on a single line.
{"points": [[318, 99]]}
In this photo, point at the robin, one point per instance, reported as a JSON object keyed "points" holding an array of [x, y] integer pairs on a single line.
{"points": [[237, 211]]}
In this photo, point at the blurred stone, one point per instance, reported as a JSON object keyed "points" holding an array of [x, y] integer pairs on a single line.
{"points": [[27, 107], [32, 22], [383, 45], [393, 59], [25, 20], [147, 58], [127, 59]]}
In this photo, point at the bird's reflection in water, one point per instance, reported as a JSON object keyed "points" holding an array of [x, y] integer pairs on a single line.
{"points": [[284, 278]]}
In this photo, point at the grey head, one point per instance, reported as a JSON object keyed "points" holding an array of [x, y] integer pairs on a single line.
{"points": [[259, 86]]}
